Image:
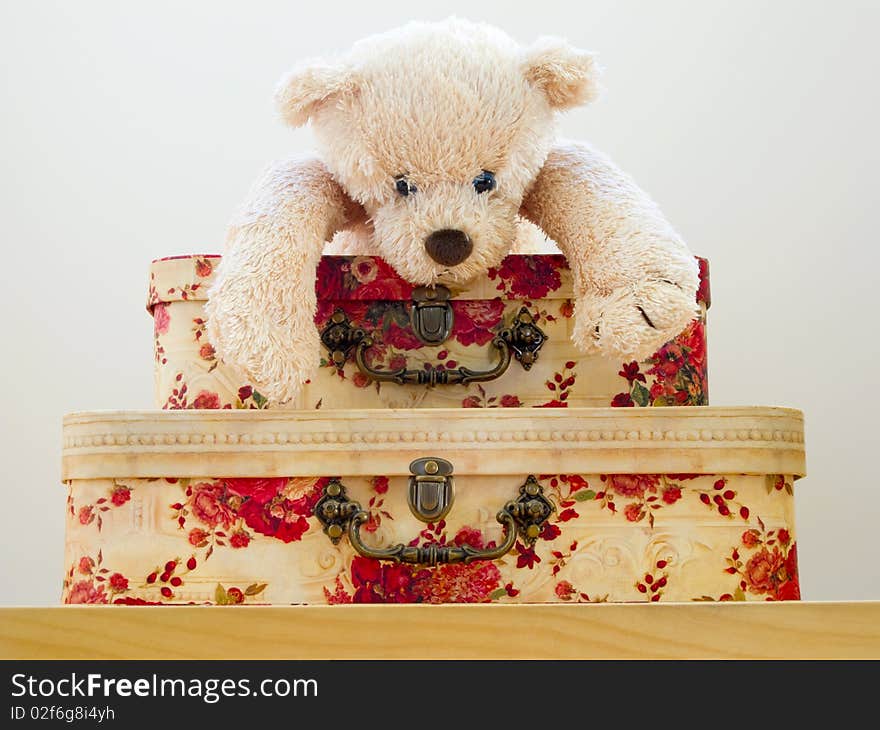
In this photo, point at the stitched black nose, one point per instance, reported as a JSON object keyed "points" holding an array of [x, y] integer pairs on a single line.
{"points": [[448, 247]]}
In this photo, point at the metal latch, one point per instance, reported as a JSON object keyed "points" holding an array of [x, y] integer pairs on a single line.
{"points": [[432, 314], [431, 488]]}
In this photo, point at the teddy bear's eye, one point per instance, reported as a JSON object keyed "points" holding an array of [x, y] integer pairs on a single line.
{"points": [[404, 186], [484, 182]]}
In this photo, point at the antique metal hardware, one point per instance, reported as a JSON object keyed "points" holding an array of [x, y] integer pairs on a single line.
{"points": [[523, 517], [431, 315], [431, 375], [522, 340], [525, 338], [339, 337], [431, 489]]}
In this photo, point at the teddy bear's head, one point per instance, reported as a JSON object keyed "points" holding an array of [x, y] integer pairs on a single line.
{"points": [[437, 130]]}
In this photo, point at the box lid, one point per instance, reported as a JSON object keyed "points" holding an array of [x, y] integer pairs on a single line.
{"points": [[364, 278], [669, 440]]}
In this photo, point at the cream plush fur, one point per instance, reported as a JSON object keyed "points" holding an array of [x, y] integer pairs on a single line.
{"points": [[438, 104]]}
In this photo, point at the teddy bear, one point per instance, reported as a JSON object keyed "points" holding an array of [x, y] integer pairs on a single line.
{"points": [[436, 140]]}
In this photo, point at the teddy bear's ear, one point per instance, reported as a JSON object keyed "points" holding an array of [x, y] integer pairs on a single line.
{"points": [[302, 90], [568, 76]]}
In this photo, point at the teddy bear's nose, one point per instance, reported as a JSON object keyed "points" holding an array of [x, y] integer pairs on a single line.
{"points": [[448, 247]]}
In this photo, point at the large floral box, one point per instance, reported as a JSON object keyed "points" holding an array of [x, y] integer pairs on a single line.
{"points": [[434, 506], [511, 327]]}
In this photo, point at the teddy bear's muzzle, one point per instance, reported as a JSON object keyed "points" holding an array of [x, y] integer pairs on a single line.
{"points": [[448, 247]]}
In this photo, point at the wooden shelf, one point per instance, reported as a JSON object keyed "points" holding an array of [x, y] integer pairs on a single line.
{"points": [[803, 630]]}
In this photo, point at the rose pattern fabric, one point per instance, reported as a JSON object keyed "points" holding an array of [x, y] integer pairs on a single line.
{"points": [[188, 374], [612, 537]]}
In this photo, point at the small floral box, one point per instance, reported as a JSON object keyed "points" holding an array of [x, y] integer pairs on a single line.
{"points": [[367, 295], [569, 505]]}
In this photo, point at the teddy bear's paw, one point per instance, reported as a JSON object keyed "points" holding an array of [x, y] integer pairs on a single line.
{"points": [[277, 360], [632, 323], [281, 369]]}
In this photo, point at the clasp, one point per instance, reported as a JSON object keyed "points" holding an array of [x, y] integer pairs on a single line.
{"points": [[431, 488]]}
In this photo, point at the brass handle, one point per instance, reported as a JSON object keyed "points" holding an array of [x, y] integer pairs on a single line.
{"points": [[522, 341], [432, 375], [433, 554], [522, 517]]}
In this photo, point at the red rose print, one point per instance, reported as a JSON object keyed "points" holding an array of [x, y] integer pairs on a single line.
{"points": [[469, 536], [197, 537], [632, 485], [400, 338], [264, 518], [118, 583], [791, 566], [459, 583], [385, 285], [397, 362], [529, 277], [245, 392], [85, 591], [262, 489], [671, 495], [235, 595], [550, 531], [380, 485], [239, 539], [790, 590], [206, 351], [526, 557], [703, 295], [630, 371], [270, 507], [330, 281], [375, 582], [565, 590], [132, 601], [784, 536], [472, 401], [208, 505], [750, 538], [576, 481], [203, 267], [694, 339], [360, 380], [339, 595], [364, 269], [680, 369], [120, 496], [86, 514], [633, 512], [161, 319], [760, 570], [622, 400], [86, 565], [365, 571], [474, 320], [206, 399], [396, 583], [510, 401]]}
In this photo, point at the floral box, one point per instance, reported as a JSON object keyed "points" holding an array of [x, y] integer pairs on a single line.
{"points": [[527, 293], [434, 506]]}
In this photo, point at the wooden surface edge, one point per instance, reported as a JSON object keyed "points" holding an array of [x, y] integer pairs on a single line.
{"points": [[804, 630]]}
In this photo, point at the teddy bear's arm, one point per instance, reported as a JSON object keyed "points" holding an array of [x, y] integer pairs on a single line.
{"points": [[635, 281], [261, 307]]}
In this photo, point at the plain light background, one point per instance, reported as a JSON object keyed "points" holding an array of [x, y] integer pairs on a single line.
{"points": [[131, 131]]}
